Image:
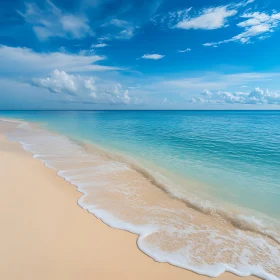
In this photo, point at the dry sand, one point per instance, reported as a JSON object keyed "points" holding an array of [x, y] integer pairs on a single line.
{"points": [[46, 235]]}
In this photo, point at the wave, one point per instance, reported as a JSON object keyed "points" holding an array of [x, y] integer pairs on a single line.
{"points": [[173, 226], [239, 221]]}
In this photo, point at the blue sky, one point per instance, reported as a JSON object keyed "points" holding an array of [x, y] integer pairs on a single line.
{"points": [[109, 54]]}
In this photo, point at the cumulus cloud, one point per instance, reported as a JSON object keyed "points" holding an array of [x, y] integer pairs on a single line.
{"points": [[61, 82], [153, 56], [186, 50], [206, 92], [211, 18], [23, 60], [82, 88], [255, 96], [257, 25], [53, 22]]}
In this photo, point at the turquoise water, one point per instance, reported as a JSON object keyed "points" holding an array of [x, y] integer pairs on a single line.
{"points": [[234, 154]]}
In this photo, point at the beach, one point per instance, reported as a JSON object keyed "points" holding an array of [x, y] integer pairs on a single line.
{"points": [[46, 235], [139, 140]]}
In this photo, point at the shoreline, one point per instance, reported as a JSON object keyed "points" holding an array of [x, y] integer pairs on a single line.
{"points": [[12, 149], [32, 248]]}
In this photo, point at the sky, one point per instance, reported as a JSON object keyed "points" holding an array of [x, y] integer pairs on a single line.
{"points": [[139, 54]]}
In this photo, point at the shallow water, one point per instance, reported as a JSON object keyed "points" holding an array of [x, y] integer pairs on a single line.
{"points": [[219, 163]]}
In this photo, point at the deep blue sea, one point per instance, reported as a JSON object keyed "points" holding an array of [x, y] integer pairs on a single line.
{"points": [[230, 158]]}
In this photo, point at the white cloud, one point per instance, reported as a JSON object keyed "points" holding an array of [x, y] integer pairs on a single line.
{"points": [[255, 96], [61, 82], [100, 45], [76, 26], [252, 31], [257, 25], [254, 19], [126, 33], [118, 22], [217, 81], [206, 92], [119, 93], [126, 30], [186, 50], [23, 60], [209, 44], [172, 18], [153, 56], [244, 3], [52, 22], [211, 18], [81, 88]]}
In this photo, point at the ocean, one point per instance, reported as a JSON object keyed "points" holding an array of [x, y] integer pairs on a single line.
{"points": [[200, 188]]}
